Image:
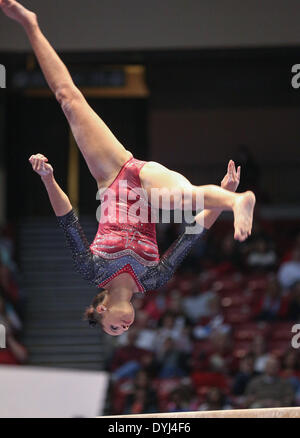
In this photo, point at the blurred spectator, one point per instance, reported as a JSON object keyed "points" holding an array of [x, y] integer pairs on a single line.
{"points": [[215, 400], [171, 362], [290, 370], [216, 321], [167, 330], [182, 399], [14, 353], [269, 390], [260, 353], [217, 357], [126, 360], [221, 358], [156, 307], [142, 399], [146, 334], [10, 305], [198, 304], [261, 257], [225, 255], [245, 374], [289, 272], [294, 243], [175, 309], [272, 305], [184, 343], [293, 312], [183, 331]]}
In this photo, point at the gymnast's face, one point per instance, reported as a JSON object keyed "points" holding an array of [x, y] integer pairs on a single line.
{"points": [[116, 319]]}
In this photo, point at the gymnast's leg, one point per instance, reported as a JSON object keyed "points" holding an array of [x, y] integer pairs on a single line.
{"points": [[184, 195], [103, 153]]}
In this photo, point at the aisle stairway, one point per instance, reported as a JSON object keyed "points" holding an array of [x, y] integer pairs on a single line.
{"points": [[55, 333]]}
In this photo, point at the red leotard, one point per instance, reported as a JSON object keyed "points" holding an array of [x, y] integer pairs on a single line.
{"points": [[125, 226]]}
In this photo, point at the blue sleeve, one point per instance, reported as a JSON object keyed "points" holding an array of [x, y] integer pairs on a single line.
{"points": [[78, 244], [176, 253], [171, 259]]}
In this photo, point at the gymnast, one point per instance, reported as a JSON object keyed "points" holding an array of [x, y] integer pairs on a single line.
{"points": [[123, 258]]}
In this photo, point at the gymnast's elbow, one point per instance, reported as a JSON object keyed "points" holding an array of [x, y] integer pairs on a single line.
{"points": [[85, 270]]}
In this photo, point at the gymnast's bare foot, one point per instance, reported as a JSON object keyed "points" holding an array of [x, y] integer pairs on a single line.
{"points": [[17, 12], [243, 215]]}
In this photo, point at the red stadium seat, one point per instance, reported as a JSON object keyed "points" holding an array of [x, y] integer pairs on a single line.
{"points": [[257, 282], [227, 284], [241, 348], [279, 347], [247, 332], [281, 331], [164, 388], [209, 380], [237, 315], [235, 299]]}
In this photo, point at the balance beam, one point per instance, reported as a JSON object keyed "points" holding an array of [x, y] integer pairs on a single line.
{"points": [[238, 413]]}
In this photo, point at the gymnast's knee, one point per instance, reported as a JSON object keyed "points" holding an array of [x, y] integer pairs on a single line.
{"points": [[67, 96]]}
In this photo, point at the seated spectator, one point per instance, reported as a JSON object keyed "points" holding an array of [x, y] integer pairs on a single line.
{"points": [[14, 353], [215, 322], [217, 357], [167, 330], [126, 360], [289, 272], [142, 399], [139, 403], [261, 257], [272, 305], [148, 364], [293, 311], [171, 362], [6, 252], [182, 399], [245, 375], [215, 400], [156, 307], [8, 284], [225, 255], [175, 309], [260, 353], [221, 359], [146, 334], [269, 390], [294, 243], [290, 370], [198, 304], [184, 342]]}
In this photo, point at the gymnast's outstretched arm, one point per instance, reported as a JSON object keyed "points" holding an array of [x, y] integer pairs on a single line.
{"points": [[59, 200], [103, 153], [67, 219]]}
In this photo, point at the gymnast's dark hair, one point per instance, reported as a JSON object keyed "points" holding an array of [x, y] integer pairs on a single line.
{"points": [[91, 314]]}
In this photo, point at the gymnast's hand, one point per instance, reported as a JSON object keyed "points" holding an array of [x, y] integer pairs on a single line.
{"points": [[17, 12], [232, 178], [40, 165]]}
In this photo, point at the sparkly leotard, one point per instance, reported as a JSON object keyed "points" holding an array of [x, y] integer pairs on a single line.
{"points": [[125, 226], [121, 247]]}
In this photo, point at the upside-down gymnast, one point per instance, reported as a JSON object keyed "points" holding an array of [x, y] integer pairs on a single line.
{"points": [[123, 258]]}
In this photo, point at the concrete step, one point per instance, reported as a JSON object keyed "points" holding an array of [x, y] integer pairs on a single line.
{"points": [[56, 297], [79, 349]]}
